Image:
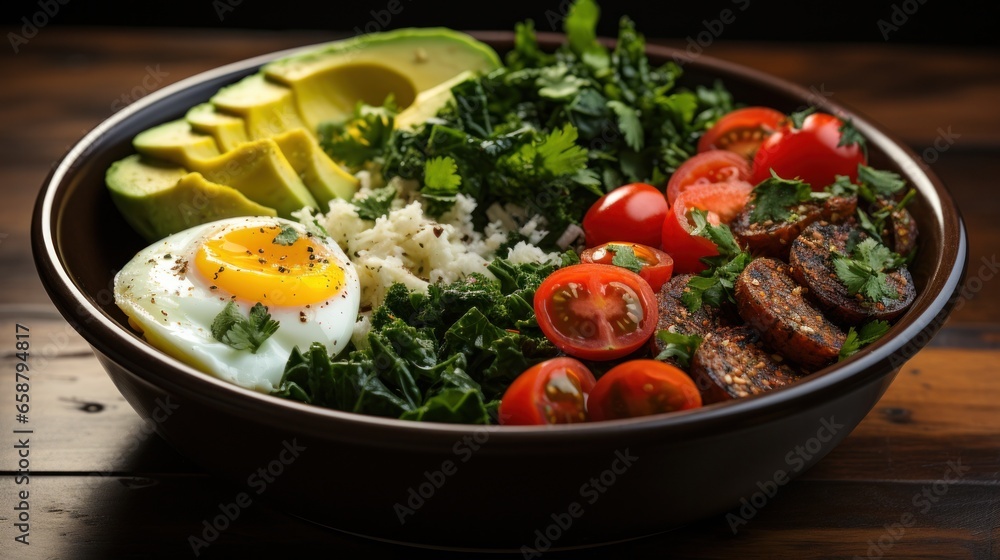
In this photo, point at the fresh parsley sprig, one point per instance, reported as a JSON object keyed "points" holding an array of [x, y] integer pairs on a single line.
{"points": [[869, 332], [376, 204], [680, 347], [232, 328], [624, 256], [864, 270], [715, 284], [774, 196]]}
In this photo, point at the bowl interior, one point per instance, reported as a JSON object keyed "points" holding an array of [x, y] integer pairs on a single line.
{"points": [[91, 242]]}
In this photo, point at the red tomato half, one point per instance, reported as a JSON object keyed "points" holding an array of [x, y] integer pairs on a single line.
{"points": [[632, 212], [810, 153], [657, 266], [722, 201], [551, 392], [640, 388], [742, 131], [596, 311], [716, 166]]}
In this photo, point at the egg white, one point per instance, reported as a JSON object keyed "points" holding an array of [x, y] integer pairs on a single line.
{"points": [[166, 297]]}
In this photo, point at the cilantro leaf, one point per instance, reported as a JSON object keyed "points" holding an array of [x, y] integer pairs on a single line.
{"points": [[361, 139], [629, 123], [721, 235], [558, 153], [231, 328], [716, 284], [441, 182], [287, 237], [864, 271], [870, 332], [625, 257], [881, 183], [841, 186], [680, 347], [376, 204], [556, 82], [773, 196]]}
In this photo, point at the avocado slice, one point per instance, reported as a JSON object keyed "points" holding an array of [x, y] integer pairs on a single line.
{"points": [[325, 179], [429, 102], [260, 171], [267, 108], [228, 131], [330, 81], [158, 199], [175, 141]]}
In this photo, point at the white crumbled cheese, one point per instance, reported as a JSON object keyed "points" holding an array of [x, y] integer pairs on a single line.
{"points": [[410, 247]]}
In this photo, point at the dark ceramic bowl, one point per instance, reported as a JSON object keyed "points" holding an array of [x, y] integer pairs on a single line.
{"points": [[465, 486]]}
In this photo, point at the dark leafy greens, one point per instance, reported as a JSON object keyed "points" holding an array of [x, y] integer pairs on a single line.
{"points": [[550, 132], [444, 356]]}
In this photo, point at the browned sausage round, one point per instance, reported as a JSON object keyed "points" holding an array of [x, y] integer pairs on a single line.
{"points": [[774, 239], [812, 266], [771, 302], [731, 363]]}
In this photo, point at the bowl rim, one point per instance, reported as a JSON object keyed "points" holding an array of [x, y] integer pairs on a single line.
{"points": [[134, 355]]}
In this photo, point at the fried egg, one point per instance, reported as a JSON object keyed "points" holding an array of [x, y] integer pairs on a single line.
{"points": [[172, 292]]}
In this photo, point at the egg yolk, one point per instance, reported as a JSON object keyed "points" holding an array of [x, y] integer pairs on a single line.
{"points": [[262, 264]]}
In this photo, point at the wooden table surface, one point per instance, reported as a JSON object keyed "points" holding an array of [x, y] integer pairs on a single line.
{"points": [[918, 477]]}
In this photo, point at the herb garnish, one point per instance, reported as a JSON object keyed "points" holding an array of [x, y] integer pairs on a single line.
{"points": [[715, 284], [864, 270], [869, 332], [624, 256], [232, 328], [774, 196], [376, 204], [850, 135], [680, 347], [287, 237]]}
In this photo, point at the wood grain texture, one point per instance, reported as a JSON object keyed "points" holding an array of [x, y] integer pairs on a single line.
{"points": [[103, 488]]}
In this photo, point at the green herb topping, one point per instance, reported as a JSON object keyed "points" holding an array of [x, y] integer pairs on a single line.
{"points": [[232, 328]]}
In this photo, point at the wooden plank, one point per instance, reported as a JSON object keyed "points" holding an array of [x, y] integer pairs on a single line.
{"points": [[81, 422], [155, 517]]}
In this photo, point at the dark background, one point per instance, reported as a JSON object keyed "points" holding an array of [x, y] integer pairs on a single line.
{"points": [[939, 22]]}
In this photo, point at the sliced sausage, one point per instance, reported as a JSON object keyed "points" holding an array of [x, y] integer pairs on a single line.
{"points": [[902, 232], [675, 317], [732, 363], [772, 302], [774, 239], [811, 260]]}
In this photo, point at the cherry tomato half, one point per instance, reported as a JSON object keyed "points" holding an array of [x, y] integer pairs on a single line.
{"points": [[657, 266], [632, 212], [742, 131], [551, 392], [716, 166], [640, 388], [810, 153], [722, 201], [596, 311]]}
